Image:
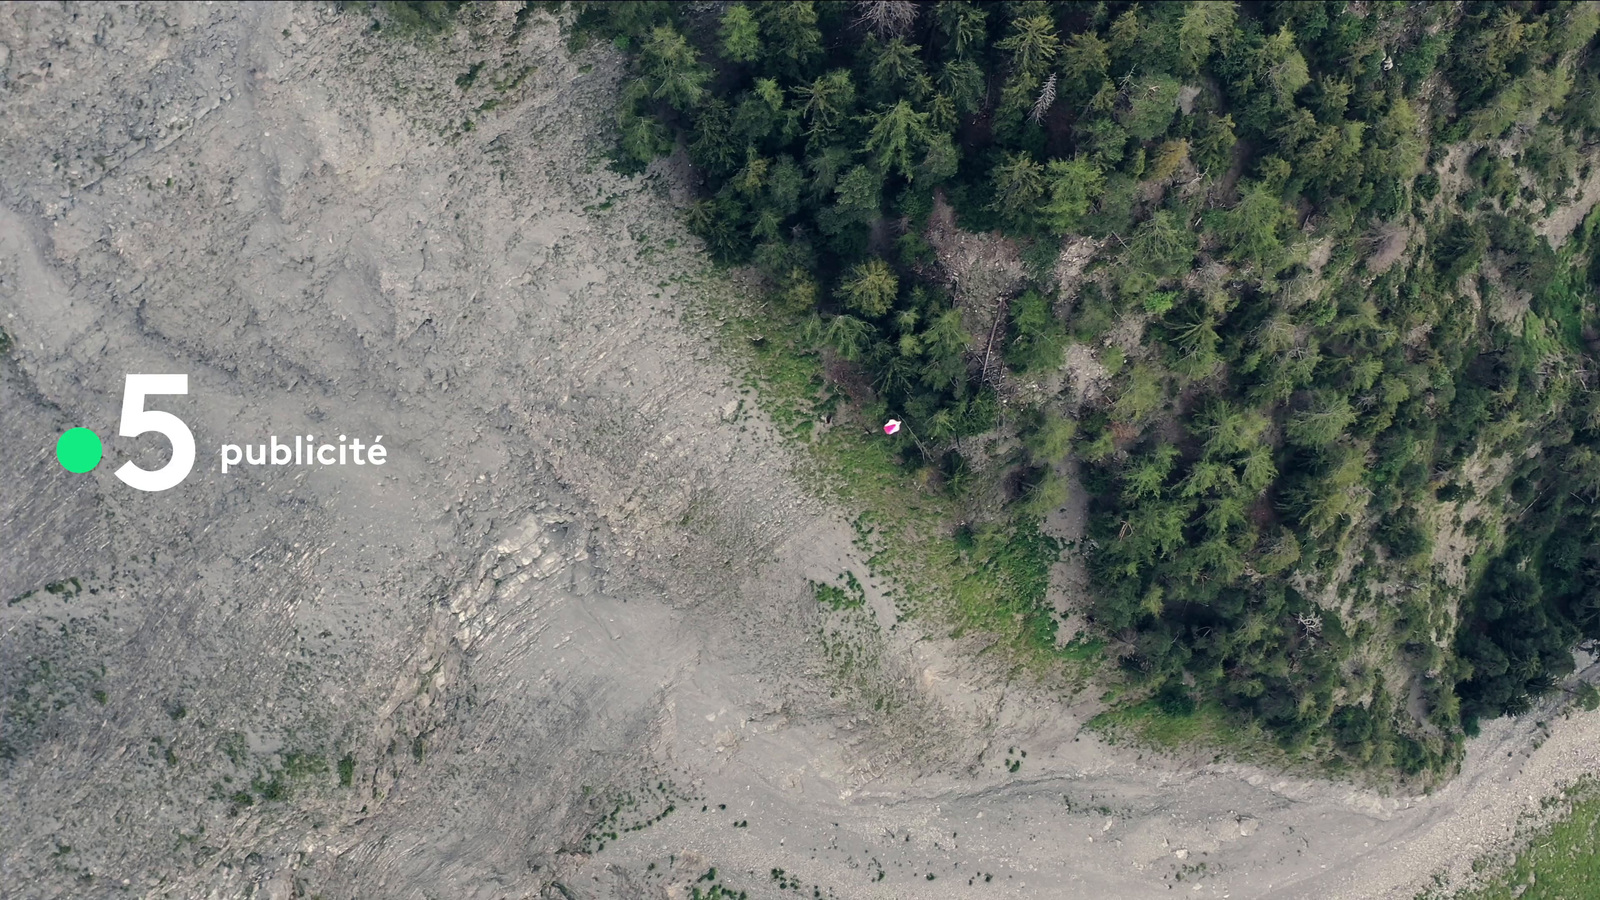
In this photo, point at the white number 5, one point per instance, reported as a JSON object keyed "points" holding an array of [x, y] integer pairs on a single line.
{"points": [[137, 420]]}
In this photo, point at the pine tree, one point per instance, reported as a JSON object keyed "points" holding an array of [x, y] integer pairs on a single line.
{"points": [[848, 336], [673, 67], [860, 195], [895, 132], [1202, 23], [741, 38], [826, 101], [1018, 185], [871, 288], [791, 30], [1073, 184], [1251, 228], [1085, 60], [1170, 157], [1032, 46], [895, 67], [965, 25], [963, 81]]}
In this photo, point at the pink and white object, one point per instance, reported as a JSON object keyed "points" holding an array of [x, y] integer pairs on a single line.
{"points": [[891, 426]]}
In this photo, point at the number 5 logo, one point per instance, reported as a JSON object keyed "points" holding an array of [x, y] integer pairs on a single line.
{"points": [[137, 420]]}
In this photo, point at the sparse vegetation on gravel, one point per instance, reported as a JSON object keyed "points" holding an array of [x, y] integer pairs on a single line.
{"points": [[1559, 860]]}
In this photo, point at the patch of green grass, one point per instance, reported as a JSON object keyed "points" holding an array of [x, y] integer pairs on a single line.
{"points": [[1568, 298], [831, 595], [467, 79], [1147, 722], [716, 890], [347, 770], [67, 588], [633, 811], [1005, 583], [235, 747], [1561, 861], [1082, 649], [270, 789], [1587, 697], [851, 596], [302, 765], [413, 17], [515, 80]]}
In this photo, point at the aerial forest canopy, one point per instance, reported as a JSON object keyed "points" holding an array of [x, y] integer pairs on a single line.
{"points": [[1342, 450]]}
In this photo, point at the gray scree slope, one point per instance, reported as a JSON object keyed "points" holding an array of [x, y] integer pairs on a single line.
{"points": [[578, 584]]}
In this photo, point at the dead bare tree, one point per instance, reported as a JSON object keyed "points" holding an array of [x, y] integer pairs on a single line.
{"points": [[888, 18], [1311, 622], [988, 349], [1047, 98]]}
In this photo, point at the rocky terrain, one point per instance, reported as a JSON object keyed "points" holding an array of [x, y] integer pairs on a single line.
{"points": [[562, 644]]}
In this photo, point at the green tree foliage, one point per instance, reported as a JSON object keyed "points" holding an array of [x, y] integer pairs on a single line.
{"points": [[826, 102], [792, 33], [859, 196], [1048, 437], [1322, 422], [417, 16], [642, 137], [1073, 186], [1032, 46], [871, 287], [741, 38], [1204, 23], [1019, 184], [1312, 334], [1152, 103], [1160, 250], [1037, 339], [962, 25], [1085, 58], [673, 68], [897, 134], [1253, 230]]}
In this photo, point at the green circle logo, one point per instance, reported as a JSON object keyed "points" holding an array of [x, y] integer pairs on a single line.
{"points": [[79, 450]]}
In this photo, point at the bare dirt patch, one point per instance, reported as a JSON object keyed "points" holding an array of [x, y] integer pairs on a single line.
{"points": [[1076, 254], [1559, 225], [983, 271], [1087, 379], [1388, 245]]}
